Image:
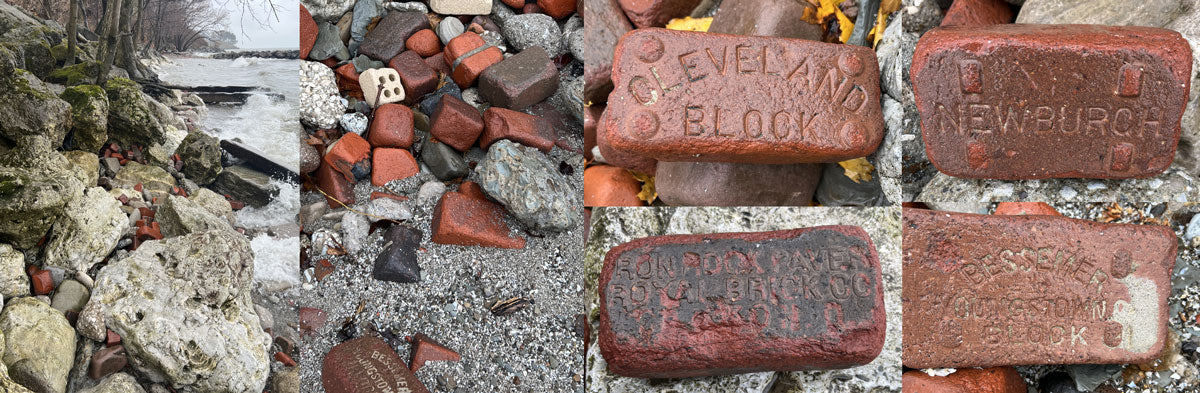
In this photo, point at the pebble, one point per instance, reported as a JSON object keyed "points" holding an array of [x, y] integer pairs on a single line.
{"points": [[449, 28], [430, 192], [1068, 193], [355, 228], [354, 122], [388, 208], [528, 30]]}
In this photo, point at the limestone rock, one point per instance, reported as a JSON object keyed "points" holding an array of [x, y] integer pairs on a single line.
{"points": [[246, 185], [180, 216], [35, 331], [35, 183], [131, 119], [201, 156], [89, 113], [529, 185], [116, 383], [13, 280], [29, 107], [320, 103], [86, 166], [214, 203], [70, 296], [153, 179], [86, 232]]}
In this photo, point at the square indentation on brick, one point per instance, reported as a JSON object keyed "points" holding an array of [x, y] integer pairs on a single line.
{"points": [[381, 86]]}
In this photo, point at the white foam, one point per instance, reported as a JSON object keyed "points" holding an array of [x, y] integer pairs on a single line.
{"points": [[282, 210], [275, 261]]}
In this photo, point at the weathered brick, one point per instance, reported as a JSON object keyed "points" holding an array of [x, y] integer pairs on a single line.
{"points": [[605, 25], [388, 37], [523, 128], [978, 13], [392, 164], [519, 81], [350, 156], [621, 158], [470, 221], [424, 42], [391, 126], [469, 69], [367, 365], [335, 186], [606, 185], [456, 123], [558, 9], [656, 13], [1024, 208], [308, 32], [966, 380], [419, 79], [736, 184], [769, 18]]}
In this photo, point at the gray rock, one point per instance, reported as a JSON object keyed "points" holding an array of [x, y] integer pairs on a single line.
{"points": [[961, 207], [328, 10], [1171, 186], [364, 12], [494, 38], [430, 192], [1192, 233], [501, 13], [569, 96], [529, 185], [1154, 13], [86, 166], [443, 161], [354, 122], [1089, 376], [70, 296], [132, 119], [320, 103], [246, 185], [35, 183], [13, 280], [180, 216], [201, 156], [33, 46], [214, 203], [87, 231], [411, 6], [29, 107], [574, 37], [836, 189], [921, 16], [154, 180], [35, 331], [389, 209], [328, 44], [354, 231], [449, 28], [363, 63], [110, 165], [116, 383], [183, 310], [89, 114], [527, 30]]}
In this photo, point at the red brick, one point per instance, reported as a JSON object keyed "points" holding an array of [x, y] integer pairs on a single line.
{"points": [[468, 221], [736, 184], [1025, 208], [770, 18], [456, 123], [656, 13], [392, 126], [966, 380], [419, 79], [426, 349], [986, 290], [424, 42], [1087, 101], [308, 32], [111, 338], [392, 164], [349, 154], [335, 186], [285, 359], [591, 117], [604, 26], [469, 69], [516, 4], [367, 365], [622, 158], [311, 319], [438, 63], [978, 13], [557, 9], [605, 185], [43, 283], [523, 128], [520, 81], [347, 79], [473, 190], [714, 327], [460, 45], [669, 112]]}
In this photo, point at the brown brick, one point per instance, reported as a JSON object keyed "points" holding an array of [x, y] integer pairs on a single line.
{"points": [[419, 79], [392, 164], [606, 23], [978, 13], [768, 18], [1048, 101], [456, 123], [692, 305], [335, 186], [523, 128], [736, 184], [591, 116], [107, 361], [367, 365], [424, 42], [808, 101], [438, 63], [966, 380], [519, 81], [656, 13], [388, 37], [558, 9], [984, 290], [606, 185], [469, 221], [391, 126]]}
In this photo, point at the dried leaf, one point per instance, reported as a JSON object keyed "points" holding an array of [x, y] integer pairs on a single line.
{"points": [[826, 10], [648, 193], [858, 169], [510, 305], [886, 7], [688, 23]]}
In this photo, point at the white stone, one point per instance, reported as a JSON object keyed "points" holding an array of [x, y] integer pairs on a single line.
{"points": [[381, 86], [461, 7]]}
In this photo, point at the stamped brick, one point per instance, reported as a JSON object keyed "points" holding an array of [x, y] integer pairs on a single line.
{"points": [[308, 32], [335, 185], [1025, 208], [468, 220], [978, 13], [367, 365], [607, 185], [392, 164], [389, 36], [692, 305], [770, 18], [523, 128], [1051, 101], [417, 76], [621, 158], [796, 100], [983, 290], [966, 380], [521, 80], [605, 25], [456, 123], [392, 126], [656, 13], [349, 155], [736, 184], [424, 42]]}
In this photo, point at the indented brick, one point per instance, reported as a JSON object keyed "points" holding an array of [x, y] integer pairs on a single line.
{"points": [[606, 185], [983, 290], [349, 155], [978, 13], [392, 164], [335, 186], [769, 18], [966, 380], [392, 126], [1025, 208], [470, 68], [308, 32], [729, 303], [606, 23], [470, 221], [456, 123], [656, 13], [367, 364], [736, 184], [425, 42], [557, 9], [388, 37], [796, 101], [419, 79], [622, 158], [1046, 101], [523, 128], [521, 80]]}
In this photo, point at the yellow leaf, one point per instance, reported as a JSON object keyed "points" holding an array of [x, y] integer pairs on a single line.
{"points": [[858, 169], [648, 193], [887, 7], [826, 9], [688, 23]]}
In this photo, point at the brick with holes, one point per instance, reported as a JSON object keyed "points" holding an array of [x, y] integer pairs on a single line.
{"points": [[381, 86]]}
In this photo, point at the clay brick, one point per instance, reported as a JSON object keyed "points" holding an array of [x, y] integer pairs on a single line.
{"points": [[519, 81], [392, 164], [469, 69], [473, 190], [656, 13], [335, 185], [438, 63], [622, 158], [469, 221], [1025, 208], [605, 25], [978, 13], [461, 45], [43, 283], [966, 380], [285, 359], [808, 101], [388, 37], [392, 126], [381, 86], [424, 42], [456, 123], [523, 128], [350, 156], [557, 9], [984, 290], [426, 349], [736, 184], [768, 18], [1085, 101], [606, 185], [419, 79], [367, 365], [693, 305], [107, 361], [591, 116], [347, 79], [308, 32]]}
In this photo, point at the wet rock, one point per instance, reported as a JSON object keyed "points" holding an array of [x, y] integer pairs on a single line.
{"points": [[921, 17], [70, 296], [257, 160], [116, 383], [131, 116], [13, 280], [35, 331], [528, 30], [246, 185], [836, 189], [320, 103], [87, 166], [214, 203], [87, 231], [445, 162], [183, 311], [89, 114], [179, 216], [156, 181], [328, 10], [529, 185], [398, 261], [201, 156], [354, 230], [388, 209], [29, 107]]}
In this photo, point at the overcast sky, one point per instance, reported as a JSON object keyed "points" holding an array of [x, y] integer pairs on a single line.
{"points": [[280, 32]]}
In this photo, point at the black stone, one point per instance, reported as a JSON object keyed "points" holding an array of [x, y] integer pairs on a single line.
{"points": [[398, 261], [430, 102], [1057, 382], [445, 162], [836, 189]]}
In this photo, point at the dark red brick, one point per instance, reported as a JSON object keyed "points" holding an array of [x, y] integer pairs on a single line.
{"points": [[966, 380], [605, 25], [1086, 101], [311, 319], [389, 36], [985, 290], [392, 126], [392, 164], [469, 221], [519, 81], [111, 338], [456, 123], [367, 365], [523, 128], [43, 283], [348, 155], [438, 63], [347, 80], [656, 13], [107, 361], [419, 79], [558, 9], [978, 13], [693, 305], [808, 101], [768, 18], [736, 184], [606, 185], [335, 186], [591, 117], [308, 32], [424, 42]]}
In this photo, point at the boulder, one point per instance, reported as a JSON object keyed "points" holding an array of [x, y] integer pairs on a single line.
{"points": [[529, 186], [32, 46], [35, 331], [89, 114], [183, 310], [35, 183], [246, 185], [70, 296], [131, 119], [180, 216], [86, 232], [85, 165], [29, 107], [13, 280], [201, 156], [214, 203], [156, 181], [116, 383]]}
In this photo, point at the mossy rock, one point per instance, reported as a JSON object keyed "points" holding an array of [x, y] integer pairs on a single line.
{"points": [[131, 118], [74, 75], [36, 181], [33, 47], [89, 110], [29, 107]]}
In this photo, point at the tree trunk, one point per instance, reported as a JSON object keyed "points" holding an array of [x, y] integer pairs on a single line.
{"points": [[108, 41], [128, 55], [72, 33]]}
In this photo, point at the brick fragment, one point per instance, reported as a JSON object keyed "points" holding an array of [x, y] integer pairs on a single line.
{"points": [[469, 221], [367, 365], [768, 18], [392, 164], [558, 9], [606, 185], [349, 155], [721, 319], [736, 184], [335, 185], [519, 81], [966, 380], [456, 123], [424, 42], [43, 283], [392, 126], [308, 32], [523, 128], [426, 349]]}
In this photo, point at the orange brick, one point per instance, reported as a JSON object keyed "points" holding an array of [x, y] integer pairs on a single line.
{"points": [[557, 9], [606, 185], [966, 380], [468, 71], [1025, 208], [467, 221], [424, 42], [392, 164], [349, 154]]}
